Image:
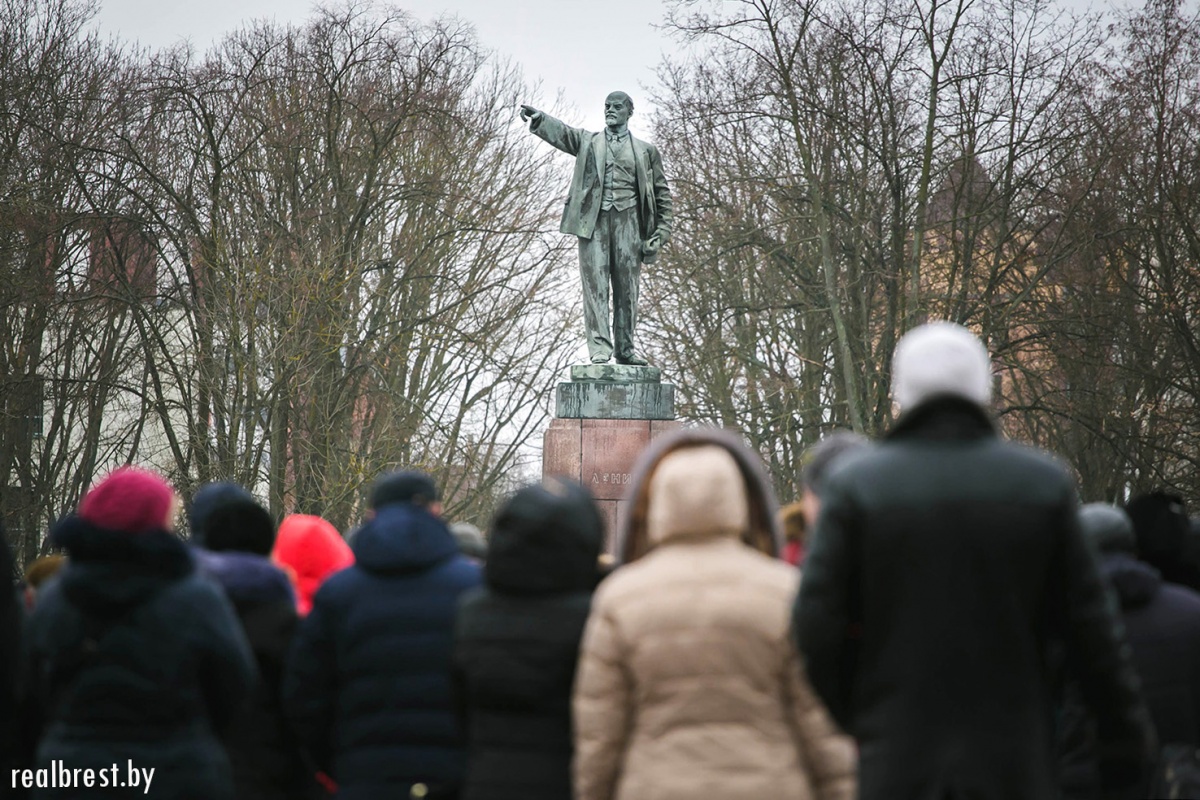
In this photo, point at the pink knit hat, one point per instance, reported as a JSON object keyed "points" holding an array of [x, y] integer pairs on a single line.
{"points": [[129, 500]]}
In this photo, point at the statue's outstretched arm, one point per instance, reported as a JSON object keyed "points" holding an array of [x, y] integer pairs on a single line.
{"points": [[552, 130]]}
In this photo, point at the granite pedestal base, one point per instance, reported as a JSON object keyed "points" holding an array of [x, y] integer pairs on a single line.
{"points": [[605, 416], [600, 453]]}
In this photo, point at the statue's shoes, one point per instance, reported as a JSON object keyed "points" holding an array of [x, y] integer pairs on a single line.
{"points": [[600, 359], [634, 360]]}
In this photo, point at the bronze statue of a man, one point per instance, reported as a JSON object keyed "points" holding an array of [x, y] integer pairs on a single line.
{"points": [[620, 208]]}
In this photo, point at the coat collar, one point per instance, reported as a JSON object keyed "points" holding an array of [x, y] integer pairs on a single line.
{"points": [[403, 538], [600, 151], [945, 417], [110, 570], [625, 133]]}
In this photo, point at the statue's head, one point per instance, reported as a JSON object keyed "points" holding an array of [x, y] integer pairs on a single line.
{"points": [[618, 108]]}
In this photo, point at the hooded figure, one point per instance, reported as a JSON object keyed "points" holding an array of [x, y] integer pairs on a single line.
{"points": [[1164, 537], [945, 565], [794, 525], [310, 550], [689, 685], [133, 658], [1162, 624], [235, 535], [517, 643], [368, 680]]}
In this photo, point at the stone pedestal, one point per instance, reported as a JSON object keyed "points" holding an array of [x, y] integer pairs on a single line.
{"points": [[604, 418], [599, 453], [615, 391]]}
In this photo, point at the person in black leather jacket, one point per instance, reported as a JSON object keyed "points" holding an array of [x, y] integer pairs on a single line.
{"points": [[946, 562]]}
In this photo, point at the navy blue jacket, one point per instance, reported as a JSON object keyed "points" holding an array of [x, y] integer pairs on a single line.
{"points": [[368, 683], [1162, 625], [133, 657], [266, 758]]}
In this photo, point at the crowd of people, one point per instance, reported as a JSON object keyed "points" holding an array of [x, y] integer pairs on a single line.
{"points": [[935, 619]]}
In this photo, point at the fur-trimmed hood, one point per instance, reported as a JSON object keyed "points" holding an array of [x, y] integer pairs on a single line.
{"points": [[760, 529]]}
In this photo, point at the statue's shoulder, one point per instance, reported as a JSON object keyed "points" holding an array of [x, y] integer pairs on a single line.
{"points": [[647, 147], [584, 134], [644, 143]]}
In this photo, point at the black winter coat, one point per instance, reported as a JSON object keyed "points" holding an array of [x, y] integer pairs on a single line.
{"points": [[1162, 625], [134, 659], [368, 679], [944, 564], [266, 758], [10, 650], [518, 644]]}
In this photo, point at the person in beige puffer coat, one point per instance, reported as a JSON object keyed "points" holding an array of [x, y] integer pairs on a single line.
{"points": [[689, 685]]}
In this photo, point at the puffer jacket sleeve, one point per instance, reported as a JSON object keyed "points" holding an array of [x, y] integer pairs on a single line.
{"points": [[602, 706], [823, 613], [309, 681], [828, 754], [227, 671]]}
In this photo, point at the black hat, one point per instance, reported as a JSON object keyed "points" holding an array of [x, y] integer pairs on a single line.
{"points": [[404, 486], [545, 539], [1160, 524], [224, 516]]}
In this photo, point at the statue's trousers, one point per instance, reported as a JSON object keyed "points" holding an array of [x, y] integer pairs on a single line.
{"points": [[613, 254]]}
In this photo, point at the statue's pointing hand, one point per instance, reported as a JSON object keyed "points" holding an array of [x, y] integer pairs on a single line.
{"points": [[530, 114]]}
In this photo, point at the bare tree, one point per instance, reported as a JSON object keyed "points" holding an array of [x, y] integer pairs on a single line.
{"points": [[358, 255], [1133, 352], [69, 273], [852, 169], [309, 255]]}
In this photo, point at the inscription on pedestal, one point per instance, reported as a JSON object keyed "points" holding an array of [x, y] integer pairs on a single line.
{"points": [[609, 449], [610, 478]]}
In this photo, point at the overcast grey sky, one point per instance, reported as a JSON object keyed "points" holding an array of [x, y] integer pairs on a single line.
{"points": [[579, 47]]}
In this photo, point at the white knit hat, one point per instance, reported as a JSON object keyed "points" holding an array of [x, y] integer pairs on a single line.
{"points": [[941, 358]]}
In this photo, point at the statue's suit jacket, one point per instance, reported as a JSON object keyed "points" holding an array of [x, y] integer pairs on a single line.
{"points": [[587, 185]]}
